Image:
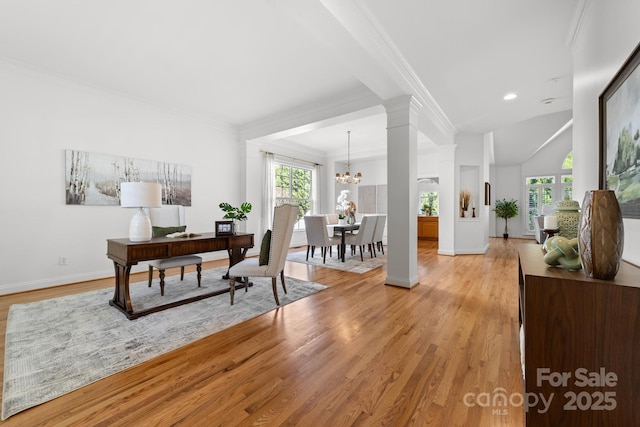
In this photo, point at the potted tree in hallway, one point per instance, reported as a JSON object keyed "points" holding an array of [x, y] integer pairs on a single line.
{"points": [[506, 209]]}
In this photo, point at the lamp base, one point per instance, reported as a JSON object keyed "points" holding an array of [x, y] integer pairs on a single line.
{"points": [[140, 227]]}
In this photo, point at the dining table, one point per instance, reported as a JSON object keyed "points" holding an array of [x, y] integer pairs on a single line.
{"points": [[343, 228]]}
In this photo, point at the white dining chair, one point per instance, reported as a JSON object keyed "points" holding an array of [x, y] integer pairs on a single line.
{"points": [[378, 233], [318, 236], [364, 235]]}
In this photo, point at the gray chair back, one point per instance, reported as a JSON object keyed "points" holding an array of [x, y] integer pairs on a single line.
{"points": [[379, 231], [316, 229]]}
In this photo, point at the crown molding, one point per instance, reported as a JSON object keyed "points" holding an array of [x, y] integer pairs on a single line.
{"points": [[380, 45], [580, 16], [310, 117], [351, 33]]}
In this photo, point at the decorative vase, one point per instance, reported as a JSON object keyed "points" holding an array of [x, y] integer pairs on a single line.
{"points": [[567, 212], [601, 234], [341, 221]]}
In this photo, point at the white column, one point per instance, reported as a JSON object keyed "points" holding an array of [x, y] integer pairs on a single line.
{"points": [[402, 228], [447, 199]]}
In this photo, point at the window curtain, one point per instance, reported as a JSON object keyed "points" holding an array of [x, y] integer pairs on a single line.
{"points": [[315, 188], [268, 192]]}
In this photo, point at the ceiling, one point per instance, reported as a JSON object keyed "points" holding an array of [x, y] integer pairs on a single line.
{"points": [[248, 62]]}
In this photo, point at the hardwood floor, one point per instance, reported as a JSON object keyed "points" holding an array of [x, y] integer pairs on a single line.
{"points": [[359, 353]]}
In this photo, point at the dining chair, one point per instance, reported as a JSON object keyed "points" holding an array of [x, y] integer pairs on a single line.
{"points": [[318, 236], [166, 220], [364, 235], [284, 218], [378, 233]]}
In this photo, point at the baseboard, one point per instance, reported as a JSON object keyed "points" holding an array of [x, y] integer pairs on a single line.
{"points": [[50, 282], [402, 282]]}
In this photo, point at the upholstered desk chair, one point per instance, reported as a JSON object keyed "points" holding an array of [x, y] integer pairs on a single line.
{"points": [[364, 235], [166, 220], [538, 227], [381, 220], [284, 217], [318, 236]]}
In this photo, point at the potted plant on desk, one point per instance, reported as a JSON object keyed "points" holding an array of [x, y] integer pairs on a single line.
{"points": [[506, 209], [235, 213]]}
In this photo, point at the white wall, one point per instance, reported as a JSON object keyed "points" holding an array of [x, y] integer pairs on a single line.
{"points": [[548, 161], [40, 117], [470, 235], [508, 185], [606, 37]]}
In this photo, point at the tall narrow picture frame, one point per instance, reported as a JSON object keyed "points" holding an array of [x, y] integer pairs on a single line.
{"points": [[619, 106], [487, 194]]}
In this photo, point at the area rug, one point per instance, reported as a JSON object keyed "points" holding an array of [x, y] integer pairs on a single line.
{"points": [[59, 345], [351, 263]]}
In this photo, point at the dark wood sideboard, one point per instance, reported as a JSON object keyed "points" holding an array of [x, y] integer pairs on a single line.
{"points": [[125, 253], [581, 344]]}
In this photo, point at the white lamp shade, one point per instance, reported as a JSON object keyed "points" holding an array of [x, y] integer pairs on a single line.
{"points": [[140, 195], [550, 222]]}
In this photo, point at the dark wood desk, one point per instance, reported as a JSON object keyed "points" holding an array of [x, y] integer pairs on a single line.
{"points": [[125, 253], [344, 229]]}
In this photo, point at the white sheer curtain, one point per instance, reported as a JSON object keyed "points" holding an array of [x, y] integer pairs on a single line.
{"points": [[268, 192], [315, 188]]}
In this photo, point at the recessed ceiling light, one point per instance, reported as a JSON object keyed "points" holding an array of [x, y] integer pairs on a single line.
{"points": [[547, 100], [510, 96]]}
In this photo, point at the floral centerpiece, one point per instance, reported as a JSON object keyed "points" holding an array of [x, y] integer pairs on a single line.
{"points": [[344, 204]]}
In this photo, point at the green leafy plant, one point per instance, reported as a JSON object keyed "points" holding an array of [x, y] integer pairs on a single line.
{"points": [[236, 213], [506, 209]]}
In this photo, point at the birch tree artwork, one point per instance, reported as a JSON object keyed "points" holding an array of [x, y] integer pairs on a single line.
{"points": [[94, 179]]}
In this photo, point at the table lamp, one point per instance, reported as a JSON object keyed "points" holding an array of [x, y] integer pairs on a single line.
{"points": [[140, 195]]}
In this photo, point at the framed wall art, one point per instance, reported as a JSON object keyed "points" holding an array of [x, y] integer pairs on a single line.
{"points": [[619, 108], [94, 178], [487, 194]]}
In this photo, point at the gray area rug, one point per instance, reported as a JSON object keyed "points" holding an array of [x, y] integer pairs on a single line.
{"points": [[351, 263], [59, 345]]}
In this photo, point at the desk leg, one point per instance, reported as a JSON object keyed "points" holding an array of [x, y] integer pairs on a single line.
{"points": [[121, 298], [235, 256]]}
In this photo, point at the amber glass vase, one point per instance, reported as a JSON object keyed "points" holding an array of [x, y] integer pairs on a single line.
{"points": [[600, 234]]}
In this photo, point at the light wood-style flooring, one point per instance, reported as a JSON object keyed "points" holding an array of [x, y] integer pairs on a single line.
{"points": [[359, 353]]}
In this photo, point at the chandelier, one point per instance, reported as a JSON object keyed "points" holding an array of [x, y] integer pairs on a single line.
{"points": [[346, 178]]}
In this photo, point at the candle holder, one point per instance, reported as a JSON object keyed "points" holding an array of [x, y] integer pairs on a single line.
{"points": [[473, 212]]}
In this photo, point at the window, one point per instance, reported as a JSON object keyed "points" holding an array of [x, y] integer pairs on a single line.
{"points": [[294, 184], [429, 203], [539, 195], [543, 191], [567, 186], [567, 180], [568, 161]]}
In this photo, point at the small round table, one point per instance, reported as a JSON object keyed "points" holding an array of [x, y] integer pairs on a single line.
{"points": [[550, 232]]}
